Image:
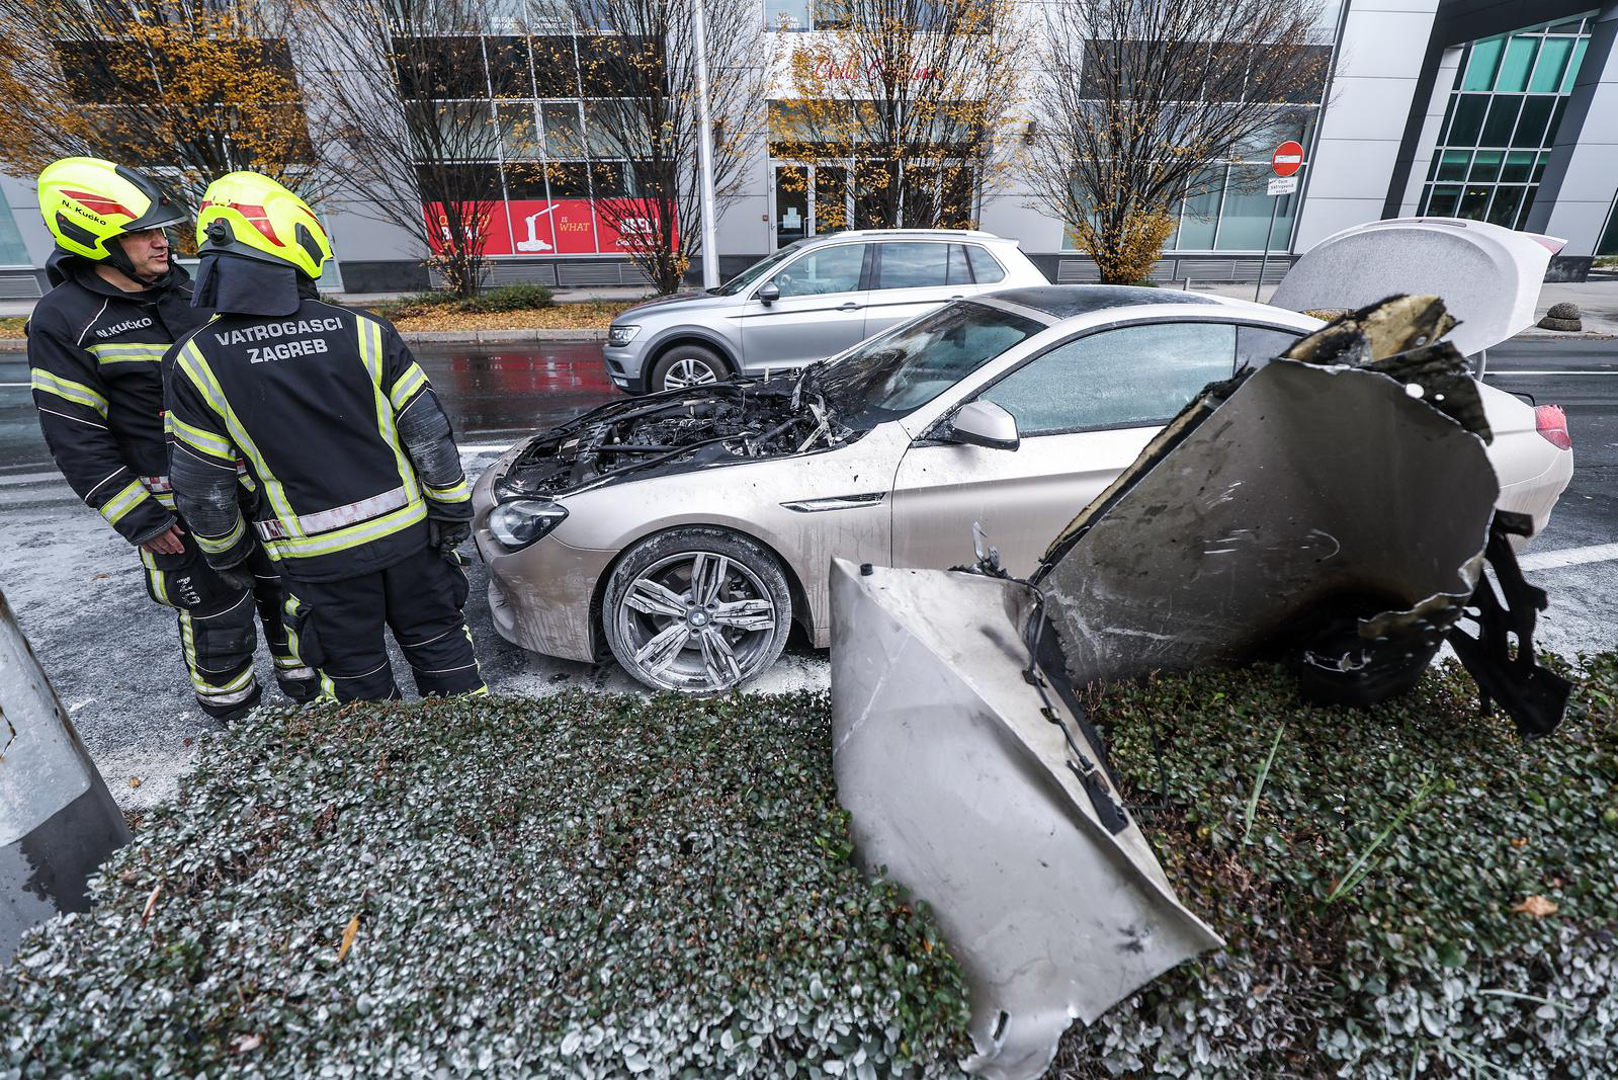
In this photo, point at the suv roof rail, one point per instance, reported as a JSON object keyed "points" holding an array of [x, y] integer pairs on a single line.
{"points": [[974, 233]]}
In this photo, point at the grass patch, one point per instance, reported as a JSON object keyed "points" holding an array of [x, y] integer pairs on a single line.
{"points": [[506, 307], [1413, 889], [585, 315], [575, 886], [12, 328]]}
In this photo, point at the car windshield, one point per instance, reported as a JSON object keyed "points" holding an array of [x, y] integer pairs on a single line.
{"points": [[913, 363], [757, 270]]}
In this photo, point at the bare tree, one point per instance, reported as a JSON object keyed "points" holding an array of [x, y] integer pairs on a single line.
{"points": [[642, 129], [188, 89], [1136, 103], [398, 92], [914, 96]]}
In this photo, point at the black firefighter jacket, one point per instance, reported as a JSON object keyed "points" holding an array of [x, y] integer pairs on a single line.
{"points": [[95, 357], [340, 431]]}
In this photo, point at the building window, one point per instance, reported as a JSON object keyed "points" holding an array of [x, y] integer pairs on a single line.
{"points": [[533, 113], [1509, 96]]}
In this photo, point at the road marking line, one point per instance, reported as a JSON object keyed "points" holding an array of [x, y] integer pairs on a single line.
{"points": [[15, 384], [1558, 374], [28, 478], [18, 498], [1552, 560], [500, 447]]}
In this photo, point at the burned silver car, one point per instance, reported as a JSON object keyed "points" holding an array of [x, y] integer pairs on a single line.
{"points": [[1333, 511], [686, 532]]}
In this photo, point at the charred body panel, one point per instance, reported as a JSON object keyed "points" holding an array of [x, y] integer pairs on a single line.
{"points": [[967, 787], [1334, 508], [671, 432]]}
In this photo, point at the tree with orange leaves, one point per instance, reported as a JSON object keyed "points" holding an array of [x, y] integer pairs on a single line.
{"points": [[188, 90]]}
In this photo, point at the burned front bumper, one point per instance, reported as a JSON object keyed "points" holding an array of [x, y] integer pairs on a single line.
{"points": [[539, 596]]}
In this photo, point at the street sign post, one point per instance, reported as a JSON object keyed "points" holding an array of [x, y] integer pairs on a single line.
{"points": [[1285, 161]]}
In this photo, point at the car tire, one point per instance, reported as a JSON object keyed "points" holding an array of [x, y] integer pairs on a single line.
{"points": [[688, 365], [697, 610]]}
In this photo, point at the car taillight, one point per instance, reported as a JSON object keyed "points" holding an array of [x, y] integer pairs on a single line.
{"points": [[1551, 422]]}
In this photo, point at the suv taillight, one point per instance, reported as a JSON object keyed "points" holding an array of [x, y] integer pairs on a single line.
{"points": [[1551, 422]]}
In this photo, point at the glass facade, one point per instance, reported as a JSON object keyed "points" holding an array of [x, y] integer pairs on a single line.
{"points": [[536, 102], [1507, 103], [13, 252], [1232, 210]]}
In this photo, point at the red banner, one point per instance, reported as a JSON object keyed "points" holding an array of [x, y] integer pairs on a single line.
{"points": [[548, 227]]}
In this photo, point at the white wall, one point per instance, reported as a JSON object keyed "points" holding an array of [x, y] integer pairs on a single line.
{"points": [[1378, 63], [1437, 104]]}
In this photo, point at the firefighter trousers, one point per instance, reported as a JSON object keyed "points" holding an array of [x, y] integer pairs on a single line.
{"points": [[336, 627], [217, 637]]}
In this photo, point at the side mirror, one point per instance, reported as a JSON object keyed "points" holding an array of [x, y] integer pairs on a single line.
{"points": [[768, 293], [983, 423]]}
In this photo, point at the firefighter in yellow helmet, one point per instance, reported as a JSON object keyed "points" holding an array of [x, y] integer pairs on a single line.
{"points": [[95, 349], [364, 500]]}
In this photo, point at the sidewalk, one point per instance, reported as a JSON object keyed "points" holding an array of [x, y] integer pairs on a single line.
{"points": [[1597, 300]]}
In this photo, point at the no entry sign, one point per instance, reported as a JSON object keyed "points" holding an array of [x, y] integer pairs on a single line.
{"points": [[1287, 159]]}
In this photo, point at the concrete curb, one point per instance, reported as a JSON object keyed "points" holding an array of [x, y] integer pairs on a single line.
{"points": [[508, 337], [439, 337], [1564, 335], [498, 337]]}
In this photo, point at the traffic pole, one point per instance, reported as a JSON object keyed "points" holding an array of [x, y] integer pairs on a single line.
{"points": [[57, 818], [710, 254], [1275, 204]]}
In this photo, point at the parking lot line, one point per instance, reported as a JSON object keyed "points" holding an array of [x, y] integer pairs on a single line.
{"points": [[1552, 560]]}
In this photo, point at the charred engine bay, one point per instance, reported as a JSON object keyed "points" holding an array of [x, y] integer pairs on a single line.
{"points": [[672, 432]]}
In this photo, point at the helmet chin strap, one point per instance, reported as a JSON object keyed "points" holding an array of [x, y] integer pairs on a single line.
{"points": [[118, 259]]}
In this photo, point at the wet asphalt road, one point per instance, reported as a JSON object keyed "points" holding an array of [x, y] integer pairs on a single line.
{"points": [[77, 590]]}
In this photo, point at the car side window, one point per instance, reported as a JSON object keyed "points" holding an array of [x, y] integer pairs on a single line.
{"points": [[912, 265], [826, 270], [1258, 345], [958, 273], [984, 268], [1134, 375]]}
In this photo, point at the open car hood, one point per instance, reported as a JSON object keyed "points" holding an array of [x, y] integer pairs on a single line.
{"points": [[1489, 276], [1332, 510]]}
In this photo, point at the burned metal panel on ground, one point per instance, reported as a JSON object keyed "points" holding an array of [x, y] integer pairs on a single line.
{"points": [[57, 819], [1333, 510], [1001, 819]]}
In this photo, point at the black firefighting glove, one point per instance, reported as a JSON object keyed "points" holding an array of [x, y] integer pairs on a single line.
{"points": [[446, 536]]}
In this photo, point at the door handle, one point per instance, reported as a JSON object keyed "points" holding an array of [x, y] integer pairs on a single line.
{"points": [[957, 296], [850, 306]]}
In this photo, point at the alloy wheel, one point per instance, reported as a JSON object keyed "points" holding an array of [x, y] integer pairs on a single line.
{"points": [[697, 621], [689, 371]]}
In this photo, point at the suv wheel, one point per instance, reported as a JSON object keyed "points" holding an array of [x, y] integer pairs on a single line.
{"points": [[688, 365], [698, 610]]}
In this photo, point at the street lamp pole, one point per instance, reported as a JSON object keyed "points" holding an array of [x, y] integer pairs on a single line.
{"points": [[710, 253]]}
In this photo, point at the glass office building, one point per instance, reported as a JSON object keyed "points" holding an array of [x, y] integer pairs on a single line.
{"points": [[1510, 94]]}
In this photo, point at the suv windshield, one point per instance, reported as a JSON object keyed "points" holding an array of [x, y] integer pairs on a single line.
{"points": [[757, 270], [911, 364]]}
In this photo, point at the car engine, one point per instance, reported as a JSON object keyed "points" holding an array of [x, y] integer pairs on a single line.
{"points": [[675, 431]]}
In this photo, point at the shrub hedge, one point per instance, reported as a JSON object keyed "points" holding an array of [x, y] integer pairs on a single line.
{"points": [[1478, 937], [520, 296], [590, 886], [576, 886]]}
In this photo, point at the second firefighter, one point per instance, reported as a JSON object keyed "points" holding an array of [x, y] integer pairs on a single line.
{"points": [[364, 500]]}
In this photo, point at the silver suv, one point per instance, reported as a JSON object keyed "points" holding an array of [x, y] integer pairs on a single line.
{"points": [[808, 301]]}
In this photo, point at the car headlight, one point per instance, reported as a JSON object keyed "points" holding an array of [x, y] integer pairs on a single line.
{"points": [[621, 335], [518, 523]]}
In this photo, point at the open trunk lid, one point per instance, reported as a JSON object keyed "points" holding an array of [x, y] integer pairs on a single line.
{"points": [[1489, 276]]}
